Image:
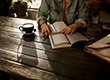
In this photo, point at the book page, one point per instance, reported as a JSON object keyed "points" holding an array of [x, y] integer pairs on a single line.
{"points": [[52, 28], [58, 40], [59, 25], [75, 37]]}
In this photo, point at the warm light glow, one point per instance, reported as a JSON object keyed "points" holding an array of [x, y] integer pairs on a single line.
{"points": [[29, 3], [34, 4], [15, 15]]}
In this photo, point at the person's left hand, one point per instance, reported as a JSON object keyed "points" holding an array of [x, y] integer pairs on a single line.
{"points": [[70, 29]]}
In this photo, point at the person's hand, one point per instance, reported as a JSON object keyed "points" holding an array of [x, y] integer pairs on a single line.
{"points": [[70, 29], [45, 29]]}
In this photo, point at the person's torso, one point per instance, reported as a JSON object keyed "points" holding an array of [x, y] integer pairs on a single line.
{"points": [[57, 8]]}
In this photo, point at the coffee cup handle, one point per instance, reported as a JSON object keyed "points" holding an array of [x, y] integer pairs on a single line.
{"points": [[20, 28], [34, 30]]}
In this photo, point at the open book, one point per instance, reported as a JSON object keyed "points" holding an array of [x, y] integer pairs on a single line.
{"points": [[59, 40], [100, 48]]}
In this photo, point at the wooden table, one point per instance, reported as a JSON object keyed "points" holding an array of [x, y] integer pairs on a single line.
{"points": [[37, 60]]}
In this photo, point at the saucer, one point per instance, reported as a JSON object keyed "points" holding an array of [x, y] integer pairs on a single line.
{"points": [[28, 37]]}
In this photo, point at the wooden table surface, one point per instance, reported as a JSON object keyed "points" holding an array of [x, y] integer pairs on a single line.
{"points": [[38, 61]]}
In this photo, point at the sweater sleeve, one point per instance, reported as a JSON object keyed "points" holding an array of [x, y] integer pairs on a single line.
{"points": [[43, 11]]}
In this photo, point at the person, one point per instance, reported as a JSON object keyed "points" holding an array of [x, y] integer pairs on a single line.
{"points": [[73, 12]]}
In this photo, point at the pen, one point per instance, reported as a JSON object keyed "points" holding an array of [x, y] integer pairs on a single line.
{"points": [[44, 32], [44, 35]]}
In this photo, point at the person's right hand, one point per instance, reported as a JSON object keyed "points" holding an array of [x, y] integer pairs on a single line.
{"points": [[45, 29]]}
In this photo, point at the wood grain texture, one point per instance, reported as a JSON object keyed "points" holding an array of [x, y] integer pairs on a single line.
{"points": [[37, 60]]}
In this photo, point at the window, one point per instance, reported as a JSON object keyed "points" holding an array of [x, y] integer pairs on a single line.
{"points": [[35, 4]]}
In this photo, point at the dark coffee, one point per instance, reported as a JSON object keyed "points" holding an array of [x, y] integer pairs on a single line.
{"points": [[27, 27]]}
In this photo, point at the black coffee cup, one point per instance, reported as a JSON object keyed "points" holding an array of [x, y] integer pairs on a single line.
{"points": [[27, 28]]}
